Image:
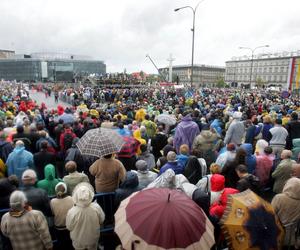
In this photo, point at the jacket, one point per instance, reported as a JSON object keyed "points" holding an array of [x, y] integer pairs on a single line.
{"points": [[250, 158], [296, 149], [18, 161], [60, 208], [175, 166], [84, 218], [158, 142], [6, 188], [72, 179], [150, 128], [149, 158], [182, 159], [185, 133], [293, 128], [38, 199], [145, 177], [5, 149], [281, 174], [217, 208], [29, 230], [127, 187], [193, 170], [287, 205], [249, 181], [62, 138], [108, 174], [49, 183], [264, 164], [235, 133], [41, 159]]}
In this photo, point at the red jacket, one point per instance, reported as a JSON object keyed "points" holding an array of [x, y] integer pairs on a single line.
{"points": [[62, 136], [217, 209]]}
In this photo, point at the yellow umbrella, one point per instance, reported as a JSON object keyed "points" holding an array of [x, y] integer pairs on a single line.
{"points": [[249, 222]]}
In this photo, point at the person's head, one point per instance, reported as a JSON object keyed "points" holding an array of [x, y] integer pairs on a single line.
{"points": [[143, 129], [184, 149], [294, 116], [143, 148], [83, 194], [217, 182], [141, 166], [171, 156], [241, 170], [43, 134], [286, 154], [60, 190], [167, 149], [20, 129], [13, 180], [32, 128], [267, 119], [170, 140], [9, 123], [240, 156], [147, 117], [215, 168], [230, 147], [17, 201], [29, 177], [19, 144], [296, 170], [44, 145], [67, 126], [278, 121], [268, 150], [108, 156], [71, 166], [121, 125]]}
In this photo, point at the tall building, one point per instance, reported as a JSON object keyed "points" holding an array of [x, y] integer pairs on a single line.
{"points": [[50, 67], [203, 75], [278, 70]]}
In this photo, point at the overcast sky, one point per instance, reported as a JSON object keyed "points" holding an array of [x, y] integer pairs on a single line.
{"points": [[122, 32]]}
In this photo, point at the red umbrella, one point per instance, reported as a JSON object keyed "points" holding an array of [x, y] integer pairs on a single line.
{"points": [[162, 218], [130, 147]]}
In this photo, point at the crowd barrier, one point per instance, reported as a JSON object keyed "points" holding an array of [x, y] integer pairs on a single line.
{"points": [[107, 203]]}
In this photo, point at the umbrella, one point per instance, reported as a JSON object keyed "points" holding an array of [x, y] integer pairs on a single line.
{"points": [[166, 119], [130, 147], [161, 218], [99, 142], [249, 222]]}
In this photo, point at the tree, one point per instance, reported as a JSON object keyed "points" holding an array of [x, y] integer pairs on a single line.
{"points": [[260, 82], [220, 82]]}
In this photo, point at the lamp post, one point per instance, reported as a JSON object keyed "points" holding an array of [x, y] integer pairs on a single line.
{"points": [[193, 38], [252, 55]]}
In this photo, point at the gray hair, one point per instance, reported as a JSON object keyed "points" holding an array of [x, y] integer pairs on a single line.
{"points": [[17, 200]]}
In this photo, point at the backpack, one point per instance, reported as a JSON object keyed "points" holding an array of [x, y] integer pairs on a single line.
{"points": [[68, 140]]}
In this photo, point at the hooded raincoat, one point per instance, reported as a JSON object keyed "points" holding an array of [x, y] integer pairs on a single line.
{"points": [[250, 158], [49, 183], [84, 219]]}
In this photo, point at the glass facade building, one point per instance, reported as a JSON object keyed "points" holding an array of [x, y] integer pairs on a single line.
{"points": [[43, 69]]}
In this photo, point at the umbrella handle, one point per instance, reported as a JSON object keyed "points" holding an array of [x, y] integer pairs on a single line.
{"points": [[133, 244]]}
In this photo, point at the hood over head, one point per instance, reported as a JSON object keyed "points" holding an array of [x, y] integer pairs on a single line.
{"points": [[296, 142], [292, 188], [83, 194], [131, 180], [217, 182], [248, 148], [49, 172]]}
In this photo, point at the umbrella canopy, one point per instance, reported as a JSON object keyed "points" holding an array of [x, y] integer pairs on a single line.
{"points": [[249, 222], [99, 142], [166, 119], [161, 218], [130, 147]]}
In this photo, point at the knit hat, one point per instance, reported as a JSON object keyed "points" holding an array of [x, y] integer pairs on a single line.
{"points": [[141, 166], [231, 147], [171, 156], [28, 174]]}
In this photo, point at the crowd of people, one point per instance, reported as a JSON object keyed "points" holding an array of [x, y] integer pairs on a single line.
{"points": [[208, 143]]}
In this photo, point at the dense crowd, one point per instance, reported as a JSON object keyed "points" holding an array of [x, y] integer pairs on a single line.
{"points": [[208, 144]]}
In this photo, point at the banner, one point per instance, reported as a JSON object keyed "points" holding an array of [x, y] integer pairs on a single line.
{"points": [[298, 75], [291, 73]]}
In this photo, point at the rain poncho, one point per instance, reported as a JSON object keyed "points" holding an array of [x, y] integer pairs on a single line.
{"points": [[49, 183], [84, 219], [18, 161]]}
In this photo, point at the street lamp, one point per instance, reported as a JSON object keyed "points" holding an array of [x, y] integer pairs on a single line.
{"points": [[252, 54], [193, 39]]}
